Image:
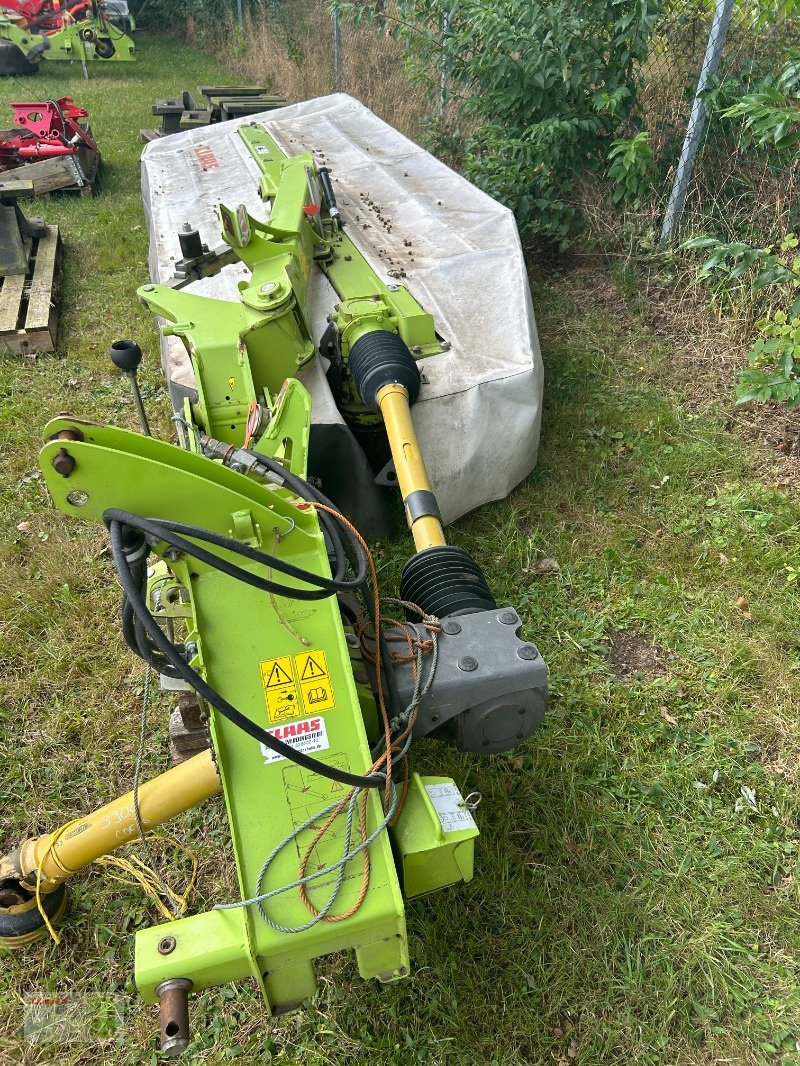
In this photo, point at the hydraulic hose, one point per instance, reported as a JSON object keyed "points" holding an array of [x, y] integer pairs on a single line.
{"points": [[120, 525]]}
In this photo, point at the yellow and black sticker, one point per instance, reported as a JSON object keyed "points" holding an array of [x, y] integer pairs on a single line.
{"points": [[296, 685], [315, 681]]}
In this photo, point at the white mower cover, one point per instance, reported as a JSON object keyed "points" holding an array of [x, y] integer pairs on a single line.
{"points": [[479, 408]]}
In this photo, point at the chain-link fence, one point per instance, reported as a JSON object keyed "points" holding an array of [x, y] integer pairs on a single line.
{"points": [[721, 80], [711, 171]]}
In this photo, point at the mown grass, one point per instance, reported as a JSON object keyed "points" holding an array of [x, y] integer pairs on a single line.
{"points": [[635, 898]]}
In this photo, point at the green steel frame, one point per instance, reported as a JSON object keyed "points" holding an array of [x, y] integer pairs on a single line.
{"points": [[286, 663]]}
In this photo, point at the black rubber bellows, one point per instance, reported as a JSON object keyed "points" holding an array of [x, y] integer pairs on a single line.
{"points": [[445, 581], [382, 358]]}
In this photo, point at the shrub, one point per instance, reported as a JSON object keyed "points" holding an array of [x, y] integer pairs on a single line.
{"points": [[543, 84], [773, 364]]}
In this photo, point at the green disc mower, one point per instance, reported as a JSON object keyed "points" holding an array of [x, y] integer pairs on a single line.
{"points": [[251, 594]]}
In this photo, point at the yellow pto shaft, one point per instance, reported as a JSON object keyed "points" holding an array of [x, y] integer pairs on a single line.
{"points": [[57, 855], [412, 477]]}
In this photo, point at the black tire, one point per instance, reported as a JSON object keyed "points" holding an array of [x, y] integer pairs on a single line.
{"points": [[13, 61], [15, 924]]}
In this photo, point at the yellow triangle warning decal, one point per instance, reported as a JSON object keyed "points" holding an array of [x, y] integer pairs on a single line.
{"points": [[313, 669], [278, 676]]}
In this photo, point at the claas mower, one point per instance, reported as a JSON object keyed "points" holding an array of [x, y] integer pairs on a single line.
{"points": [[33, 30], [249, 591]]}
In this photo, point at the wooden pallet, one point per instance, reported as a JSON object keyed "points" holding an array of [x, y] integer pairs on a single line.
{"points": [[56, 174], [28, 302]]}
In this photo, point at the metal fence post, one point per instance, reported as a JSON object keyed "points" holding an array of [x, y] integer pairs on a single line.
{"points": [[337, 49], [697, 119], [444, 78], [240, 14]]}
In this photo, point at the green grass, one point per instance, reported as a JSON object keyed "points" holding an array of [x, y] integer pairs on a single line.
{"points": [[631, 903]]}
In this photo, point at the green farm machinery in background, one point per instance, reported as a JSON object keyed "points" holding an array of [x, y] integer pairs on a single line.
{"points": [[42, 30], [254, 597]]}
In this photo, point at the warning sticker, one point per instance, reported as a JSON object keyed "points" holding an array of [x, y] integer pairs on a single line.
{"points": [[277, 672], [282, 703], [315, 682], [311, 665], [449, 805], [308, 736], [297, 685]]}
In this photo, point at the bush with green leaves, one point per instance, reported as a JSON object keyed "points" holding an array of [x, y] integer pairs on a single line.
{"points": [[735, 264], [631, 167], [543, 85], [773, 364]]}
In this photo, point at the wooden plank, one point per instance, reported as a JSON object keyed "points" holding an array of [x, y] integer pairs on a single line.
{"points": [[47, 175], [56, 174], [38, 332], [11, 298], [213, 92], [40, 297]]}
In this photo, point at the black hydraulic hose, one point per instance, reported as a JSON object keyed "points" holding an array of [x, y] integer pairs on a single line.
{"points": [[116, 527], [169, 533]]}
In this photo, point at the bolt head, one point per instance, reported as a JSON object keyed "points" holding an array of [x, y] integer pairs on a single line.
{"points": [[467, 664], [527, 651], [167, 945], [508, 617], [451, 627], [63, 463]]}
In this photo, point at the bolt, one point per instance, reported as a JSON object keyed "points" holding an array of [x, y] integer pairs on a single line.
{"points": [[148, 288], [167, 945], [508, 617], [172, 554], [63, 463], [527, 651], [445, 346], [191, 650], [467, 664], [451, 627], [417, 349], [393, 287], [69, 434], [270, 286], [352, 640]]}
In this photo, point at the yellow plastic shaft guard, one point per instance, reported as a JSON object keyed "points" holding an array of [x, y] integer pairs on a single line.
{"points": [[76, 844], [408, 462]]}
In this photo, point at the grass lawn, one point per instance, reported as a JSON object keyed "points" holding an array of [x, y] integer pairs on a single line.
{"points": [[636, 893]]}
